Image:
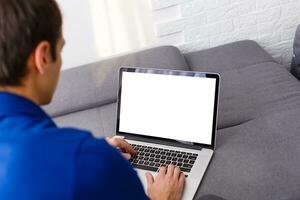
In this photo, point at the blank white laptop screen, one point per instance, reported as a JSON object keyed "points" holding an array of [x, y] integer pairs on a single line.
{"points": [[168, 106]]}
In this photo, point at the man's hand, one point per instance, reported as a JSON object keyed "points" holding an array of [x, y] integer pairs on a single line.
{"points": [[120, 143], [167, 185]]}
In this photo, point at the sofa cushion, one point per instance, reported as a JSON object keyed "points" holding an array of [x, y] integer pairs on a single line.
{"points": [[99, 120], [228, 57], [251, 91], [257, 160], [97, 84]]}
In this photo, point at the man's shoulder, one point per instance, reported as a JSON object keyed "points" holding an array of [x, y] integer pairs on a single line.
{"points": [[72, 133]]}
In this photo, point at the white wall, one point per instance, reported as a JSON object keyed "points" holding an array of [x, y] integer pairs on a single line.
{"points": [[199, 24], [97, 29]]}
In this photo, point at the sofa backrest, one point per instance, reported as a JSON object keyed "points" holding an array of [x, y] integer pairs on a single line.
{"points": [[228, 57], [96, 84]]}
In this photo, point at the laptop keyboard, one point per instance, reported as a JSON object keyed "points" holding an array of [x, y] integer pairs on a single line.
{"points": [[151, 158]]}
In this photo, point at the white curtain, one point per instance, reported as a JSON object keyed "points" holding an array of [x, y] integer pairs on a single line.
{"points": [[121, 25]]}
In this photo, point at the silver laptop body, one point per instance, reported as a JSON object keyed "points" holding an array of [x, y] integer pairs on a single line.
{"points": [[170, 117]]}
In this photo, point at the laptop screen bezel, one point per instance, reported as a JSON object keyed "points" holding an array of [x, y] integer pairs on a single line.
{"points": [[152, 139]]}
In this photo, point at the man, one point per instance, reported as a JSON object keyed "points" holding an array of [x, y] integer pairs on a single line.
{"points": [[38, 160]]}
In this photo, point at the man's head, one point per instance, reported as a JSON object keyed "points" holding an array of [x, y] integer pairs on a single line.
{"points": [[30, 46]]}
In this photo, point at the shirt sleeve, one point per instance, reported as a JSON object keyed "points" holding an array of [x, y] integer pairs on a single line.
{"points": [[102, 173]]}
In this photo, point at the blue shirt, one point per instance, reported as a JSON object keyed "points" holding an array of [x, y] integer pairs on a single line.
{"points": [[39, 161]]}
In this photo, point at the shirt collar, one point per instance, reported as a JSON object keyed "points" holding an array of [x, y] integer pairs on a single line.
{"points": [[15, 104]]}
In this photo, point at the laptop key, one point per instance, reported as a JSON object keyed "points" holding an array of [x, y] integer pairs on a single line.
{"points": [[187, 166], [141, 162], [154, 169], [163, 165], [192, 157], [185, 169]]}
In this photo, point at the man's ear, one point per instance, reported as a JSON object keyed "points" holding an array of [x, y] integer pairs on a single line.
{"points": [[42, 56]]}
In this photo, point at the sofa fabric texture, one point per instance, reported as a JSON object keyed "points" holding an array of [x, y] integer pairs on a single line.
{"points": [[257, 153]]}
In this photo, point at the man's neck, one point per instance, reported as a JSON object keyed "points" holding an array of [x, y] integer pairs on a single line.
{"points": [[21, 91]]}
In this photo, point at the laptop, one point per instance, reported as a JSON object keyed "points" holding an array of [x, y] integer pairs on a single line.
{"points": [[169, 117]]}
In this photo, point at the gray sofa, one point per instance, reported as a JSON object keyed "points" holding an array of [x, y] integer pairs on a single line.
{"points": [[258, 138]]}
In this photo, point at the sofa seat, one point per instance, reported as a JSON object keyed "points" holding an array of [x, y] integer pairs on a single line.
{"points": [[258, 159]]}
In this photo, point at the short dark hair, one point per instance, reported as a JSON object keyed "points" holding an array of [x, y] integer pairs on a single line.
{"points": [[23, 25]]}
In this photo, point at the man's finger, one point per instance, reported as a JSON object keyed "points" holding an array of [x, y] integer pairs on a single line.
{"points": [[123, 145], [162, 171], [182, 179], [177, 173], [170, 170], [150, 178], [127, 156]]}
